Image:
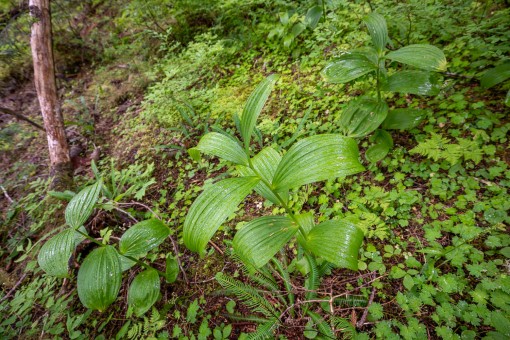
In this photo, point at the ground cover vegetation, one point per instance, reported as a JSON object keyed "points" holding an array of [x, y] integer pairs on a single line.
{"points": [[260, 169]]}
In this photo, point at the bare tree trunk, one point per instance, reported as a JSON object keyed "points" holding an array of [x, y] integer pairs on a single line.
{"points": [[44, 76]]}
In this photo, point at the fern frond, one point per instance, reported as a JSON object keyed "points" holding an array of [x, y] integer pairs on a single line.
{"points": [[247, 294], [322, 326], [325, 268], [347, 329], [249, 318], [265, 330], [351, 301], [313, 281]]}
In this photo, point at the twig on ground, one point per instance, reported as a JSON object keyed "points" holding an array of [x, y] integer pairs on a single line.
{"points": [[14, 288], [6, 194], [361, 322]]}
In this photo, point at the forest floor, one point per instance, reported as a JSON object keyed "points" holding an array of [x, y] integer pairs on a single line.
{"points": [[435, 259]]}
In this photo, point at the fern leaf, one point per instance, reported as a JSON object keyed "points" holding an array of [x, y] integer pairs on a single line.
{"points": [[286, 280], [313, 281], [265, 330], [247, 294], [347, 329], [351, 301], [322, 326]]}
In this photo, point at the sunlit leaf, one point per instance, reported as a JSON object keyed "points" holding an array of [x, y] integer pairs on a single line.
{"points": [[217, 144], [54, 255], [337, 242], [260, 239], [347, 67], [383, 143], [306, 222], [82, 204], [126, 263], [507, 98], [403, 119], [414, 82], [378, 30], [172, 269], [254, 106], [265, 163], [313, 16], [496, 75], [317, 158], [425, 57], [99, 278], [144, 291], [142, 237], [362, 116], [212, 208]]}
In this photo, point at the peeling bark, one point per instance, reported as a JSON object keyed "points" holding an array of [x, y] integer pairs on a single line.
{"points": [[45, 84]]}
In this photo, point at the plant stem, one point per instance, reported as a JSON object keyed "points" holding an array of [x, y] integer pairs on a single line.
{"points": [[282, 202], [377, 78]]}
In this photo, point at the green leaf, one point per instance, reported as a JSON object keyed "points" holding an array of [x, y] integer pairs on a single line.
{"points": [[378, 30], [142, 237], [254, 106], [297, 29], [425, 57], [81, 205], [414, 82], [211, 208], [362, 116], [313, 16], [317, 158], [260, 239], [54, 255], [495, 75], [265, 163], [347, 67], [144, 291], [219, 145], [99, 278], [507, 99], [172, 269], [383, 143], [337, 242], [403, 119], [125, 263]]}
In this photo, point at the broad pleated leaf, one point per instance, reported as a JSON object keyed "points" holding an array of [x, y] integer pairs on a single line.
{"points": [[99, 278], [217, 144], [212, 208], [362, 116], [378, 30], [172, 269], [496, 75], [317, 158], [54, 255], [265, 163], [297, 29], [383, 143], [260, 239], [254, 106], [126, 263], [414, 82], [403, 119], [144, 291], [313, 16], [81, 205], [425, 57], [142, 237], [337, 242], [347, 67]]}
